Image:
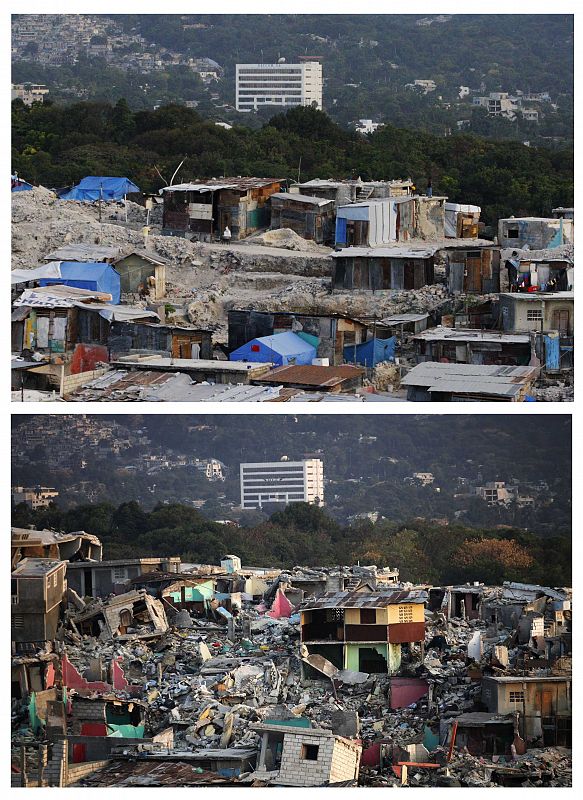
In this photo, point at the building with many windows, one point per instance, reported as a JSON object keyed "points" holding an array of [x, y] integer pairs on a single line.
{"points": [[282, 482], [280, 84]]}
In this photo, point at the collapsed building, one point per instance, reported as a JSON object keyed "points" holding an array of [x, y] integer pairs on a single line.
{"points": [[331, 676]]}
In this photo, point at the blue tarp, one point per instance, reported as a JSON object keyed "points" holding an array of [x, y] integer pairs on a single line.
{"points": [[372, 352], [18, 185], [99, 277], [94, 187], [280, 349]]}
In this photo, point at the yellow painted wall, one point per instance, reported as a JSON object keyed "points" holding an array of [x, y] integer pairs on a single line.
{"points": [[418, 613], [352, 616]]}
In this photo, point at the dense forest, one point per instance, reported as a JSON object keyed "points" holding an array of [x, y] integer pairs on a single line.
{"points": [[367, 62], [306, 535], [56, 146]]}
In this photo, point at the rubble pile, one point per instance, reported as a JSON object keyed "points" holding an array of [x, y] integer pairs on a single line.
{"points": [[288, 239], [211, 682]]}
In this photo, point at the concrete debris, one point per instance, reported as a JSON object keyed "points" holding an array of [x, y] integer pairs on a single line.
{"points": [[288, 239], [219, 690]]}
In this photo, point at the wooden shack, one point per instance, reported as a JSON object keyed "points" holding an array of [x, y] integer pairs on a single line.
{"points": [[310, 217], [201, 210], [381, 268]]}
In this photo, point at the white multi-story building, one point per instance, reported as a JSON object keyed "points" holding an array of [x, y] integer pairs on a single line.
{"points": [[35, 497], [282, 84], [29, 93], [282, 482]]}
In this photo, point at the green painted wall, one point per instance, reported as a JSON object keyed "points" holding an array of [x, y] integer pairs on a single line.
{"points": [[352, 651]]}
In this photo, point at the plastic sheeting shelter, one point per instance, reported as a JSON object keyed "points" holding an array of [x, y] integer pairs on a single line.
{"points": [[99, 277], [18, 185], [97, 187], [279, 349], [372, 352]]}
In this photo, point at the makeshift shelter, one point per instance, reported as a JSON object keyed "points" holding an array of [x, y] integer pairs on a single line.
{"points": [[372, 352], [18, 185], [98, 187], [100, 277], [280, 349]]}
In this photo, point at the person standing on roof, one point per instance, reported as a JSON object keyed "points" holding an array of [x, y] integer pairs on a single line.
{"points": [[429, 190], [227, 234], [512, 264]]}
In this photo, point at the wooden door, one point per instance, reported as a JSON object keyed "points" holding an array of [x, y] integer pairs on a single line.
{"points": [[561, 321], [474, 270]]}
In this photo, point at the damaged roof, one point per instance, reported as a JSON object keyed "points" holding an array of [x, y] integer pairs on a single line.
{"points": [[364, 599], [153, 773], [214, 184], [311, 375]]}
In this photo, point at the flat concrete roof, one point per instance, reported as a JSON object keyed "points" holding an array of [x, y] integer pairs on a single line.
{"points": [[198, 364], [36, 567], [532, 296], [443, 334]]}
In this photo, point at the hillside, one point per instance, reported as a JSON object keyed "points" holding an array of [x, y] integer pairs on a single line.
{"points": [[366, 460], [367, 61]]}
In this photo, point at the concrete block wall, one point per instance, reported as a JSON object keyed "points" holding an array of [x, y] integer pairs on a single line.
{"points": [[55, 773], [345, 761], [297, 771], [78, 771], [72, 382]]}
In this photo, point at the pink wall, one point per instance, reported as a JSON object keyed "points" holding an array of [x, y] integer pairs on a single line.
{"points": [[405, 691]]}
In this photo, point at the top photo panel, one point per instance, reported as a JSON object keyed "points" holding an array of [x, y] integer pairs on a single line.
{"points": [[292, 208]]}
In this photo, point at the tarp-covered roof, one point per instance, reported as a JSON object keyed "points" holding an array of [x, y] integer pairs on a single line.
{"points": [[58, 296], [95, 187], [281, 349], [19, 185], [90, 275]]}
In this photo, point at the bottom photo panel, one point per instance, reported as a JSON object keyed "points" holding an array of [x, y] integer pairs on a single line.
{"points": [[291, 600]]}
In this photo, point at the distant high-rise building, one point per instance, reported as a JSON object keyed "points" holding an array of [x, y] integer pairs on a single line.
{"points": [[282, 482], [280, 84]]}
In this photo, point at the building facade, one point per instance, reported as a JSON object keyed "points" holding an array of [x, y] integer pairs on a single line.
{"points": [[282, 482], [281, 84], [362, 631]]}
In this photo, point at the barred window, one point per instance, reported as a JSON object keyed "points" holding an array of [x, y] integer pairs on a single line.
{"points": [[533, 314], [516, 697]]}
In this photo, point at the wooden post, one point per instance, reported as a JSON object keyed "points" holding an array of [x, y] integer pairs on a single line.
{"points": [[452, 743]]}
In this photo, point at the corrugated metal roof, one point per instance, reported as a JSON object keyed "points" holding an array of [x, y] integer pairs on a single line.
{"points": [[469, 378], [364, 599], [399, 319], [301, 198], [83, 252], [157, 386], [311, 375], [214, 184], [153, 773]]}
